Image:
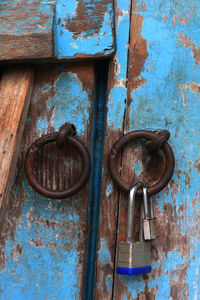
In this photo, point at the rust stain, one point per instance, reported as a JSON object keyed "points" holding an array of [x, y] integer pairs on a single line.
{"points": [[88, 19], [187, 43]]}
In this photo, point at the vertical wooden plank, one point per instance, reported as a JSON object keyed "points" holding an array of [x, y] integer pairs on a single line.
{"points": [[44, 245], [114, 125], [162, 92], [16, 87]]}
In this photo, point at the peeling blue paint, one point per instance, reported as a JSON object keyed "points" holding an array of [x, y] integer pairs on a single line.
{"points": [[122, 42], [109, 189], [71, 103], [46, 87], [87, 42], [104, 253], [109, 283], [137, 167], [135, 284], [51, 264], [42, 125], [116, 107]]}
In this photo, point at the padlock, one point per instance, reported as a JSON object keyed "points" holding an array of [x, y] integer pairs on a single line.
{"points": [[146, 219], [133, 258], [153, 223]]}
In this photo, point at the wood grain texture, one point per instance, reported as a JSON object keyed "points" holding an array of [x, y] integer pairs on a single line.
{"points": [[105, 265], [15, 92], [26, 29], [158, 89], [44, 244], [51, 30]]}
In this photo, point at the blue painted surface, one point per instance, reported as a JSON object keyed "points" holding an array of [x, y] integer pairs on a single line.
{"points": [[117, 95], [88, 42], [49, 256], [72, 108], [169, 98], [104, 254], [42, 125], [109, 283]]}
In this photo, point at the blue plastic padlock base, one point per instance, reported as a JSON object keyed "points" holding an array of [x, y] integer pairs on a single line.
{"points": [[133, 271]]}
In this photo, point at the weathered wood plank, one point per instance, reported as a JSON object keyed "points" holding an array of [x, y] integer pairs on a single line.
{"points": [[117, 91], [15, 92], [45, 239], [162, 92], [79, 29], [26, 29]]}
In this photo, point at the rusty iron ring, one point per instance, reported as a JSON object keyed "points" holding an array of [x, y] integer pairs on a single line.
{"points": [[29, 163], [148, 135]]}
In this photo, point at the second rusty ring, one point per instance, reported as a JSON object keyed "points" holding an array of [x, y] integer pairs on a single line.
{"points": [[149, 136]]}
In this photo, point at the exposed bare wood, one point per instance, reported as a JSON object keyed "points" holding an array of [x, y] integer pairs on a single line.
{"points": [[15, 92]]}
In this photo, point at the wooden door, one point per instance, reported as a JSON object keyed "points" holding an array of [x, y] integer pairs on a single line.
{"points": [[66, 249], [154, 84], [47, 247]]}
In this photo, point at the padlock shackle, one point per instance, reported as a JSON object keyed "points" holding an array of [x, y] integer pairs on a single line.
{"points": [[146, 204], [131, 209], [141, 233]]}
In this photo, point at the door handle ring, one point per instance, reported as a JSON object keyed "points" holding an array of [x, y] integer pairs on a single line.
{"points": [[156, 141], [61, 140]]}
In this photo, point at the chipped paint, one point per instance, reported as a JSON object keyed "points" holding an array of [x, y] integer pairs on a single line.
{"points": [[70, 108], [42, 125], [187, 43], [56, 245], [109, 189], [104, 254], [33, 23], [83, 28], [109, 283], [116, 104], [26, 29]]}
